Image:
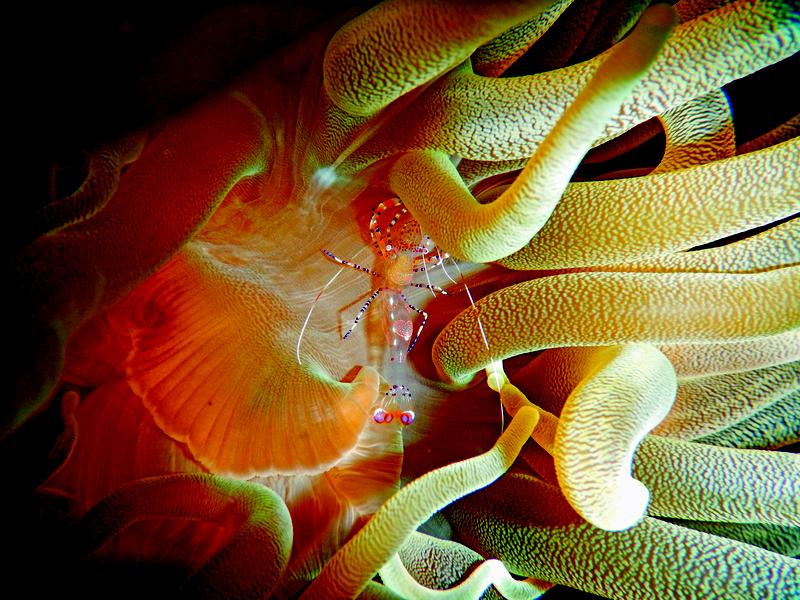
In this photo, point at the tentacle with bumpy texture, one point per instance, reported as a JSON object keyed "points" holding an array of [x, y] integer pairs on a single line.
{"points": [[495, 56], [357, 561], [613, 22], [708, 404], [487, 573], [105, 165], [483, 118], [777, 247], [625, 307], [377, 57], [436, 563], [700, 360], [698, 132], [545, 539], [646, 217], [749, 486], [780, 539], [631, 389], [430, 185], [257, 552], [773, 427]]}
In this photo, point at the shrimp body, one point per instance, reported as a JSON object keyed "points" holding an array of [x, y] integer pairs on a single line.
{"points": [[405, 250]]}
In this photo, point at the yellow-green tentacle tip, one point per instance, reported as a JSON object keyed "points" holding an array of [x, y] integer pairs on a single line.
{"points": [[604, 419], [346, 574]]}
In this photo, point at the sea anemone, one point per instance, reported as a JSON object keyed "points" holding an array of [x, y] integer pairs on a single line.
{"points": [[606, 396]]}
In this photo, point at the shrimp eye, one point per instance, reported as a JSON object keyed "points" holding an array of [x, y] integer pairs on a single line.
{"points": [[407, 417], [381, 416]]}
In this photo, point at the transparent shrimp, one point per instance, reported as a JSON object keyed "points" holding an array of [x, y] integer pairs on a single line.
{"points": [[405, 250]]}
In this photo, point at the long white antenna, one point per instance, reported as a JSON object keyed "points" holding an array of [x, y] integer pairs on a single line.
{"points": [[483, 333], [472, 302], [314, 304]]}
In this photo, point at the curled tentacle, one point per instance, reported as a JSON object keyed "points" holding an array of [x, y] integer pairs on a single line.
{"points": [[602, 423], [430, 185]]}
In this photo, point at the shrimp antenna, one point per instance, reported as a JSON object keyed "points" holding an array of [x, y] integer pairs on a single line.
{"points": [[480, 327], [472, 302], [313, 306]]}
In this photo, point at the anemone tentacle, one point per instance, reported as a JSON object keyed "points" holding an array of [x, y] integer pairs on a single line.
{"points": [[626, 307], [773, 427], [102, 180], [545, 539], [650, 216], [496, 55], [780, 539], [376, 58], [630, 390], [698, 360], [778, 246], [705, 405], [429, 184], [750, 486], [164, 306], [357, 561], [785, 131], [484, 118], [488, 573], [698, 132]]}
